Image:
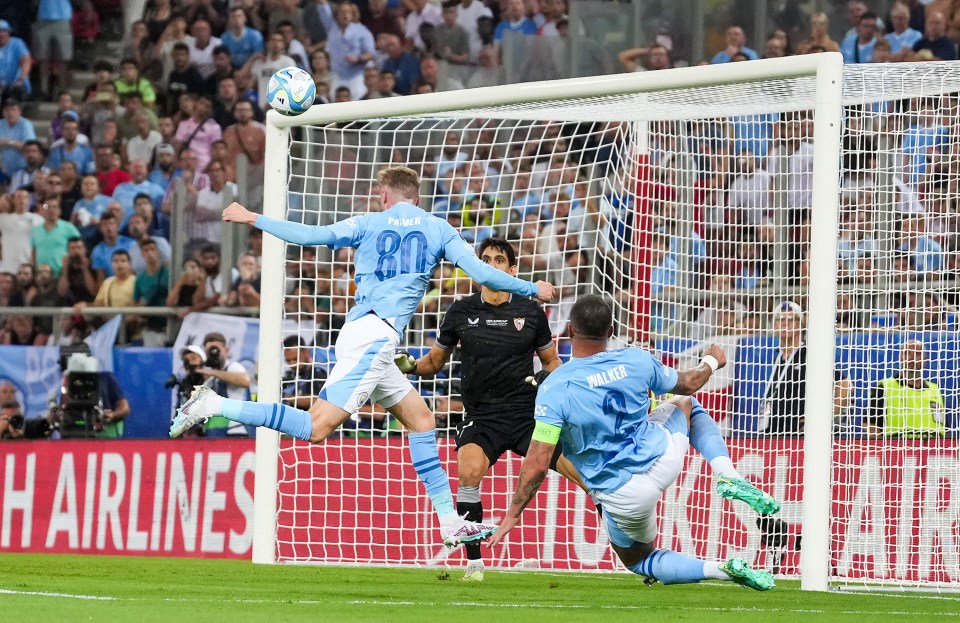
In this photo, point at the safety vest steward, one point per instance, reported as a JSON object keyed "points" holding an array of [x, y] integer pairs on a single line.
{"points": [[912, 412]]}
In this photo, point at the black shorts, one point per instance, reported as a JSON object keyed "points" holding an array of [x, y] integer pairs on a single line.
{"points": [[496, 434]]}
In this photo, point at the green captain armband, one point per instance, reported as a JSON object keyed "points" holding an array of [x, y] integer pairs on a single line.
{"points": [[546, 433]]}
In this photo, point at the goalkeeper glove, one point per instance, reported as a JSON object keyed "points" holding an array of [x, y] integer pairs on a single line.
{"points": [[405, 362], [537, 379]]}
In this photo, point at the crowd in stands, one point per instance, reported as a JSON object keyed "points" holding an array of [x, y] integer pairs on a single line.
{"points": [[173, 132]]}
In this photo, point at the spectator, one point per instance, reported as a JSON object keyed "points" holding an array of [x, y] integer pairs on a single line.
{"points": [[819, 39], [262, 67], [245, 290], [856, 241], [652, 58], [199, 132], [663, 281], [52, 30], [10, 295], [227, 98], [554, 13], [65, 110], [226, 377], [371, 82], [736, 42], [422, 12], [205, 221], [935, 45], [387, 84], [239, 39], [245, 136], [167, 129], [923, 140], [97, 114], [15, 64], [858, 47], [222, 70], [102, 254], [514, 20], [904, 404], [77, 282], [183, 77], [165, 169], [15, 130], [430, 74], [116, 290], [47, 295], [143, 207], [126, 192], [70, 187], [186, 184], [403, 65], [209, 294], [90, 207], [855, 10], [221, 156], [26, 281], [186, 286], [202, 47], [303, 379], [70, 148], [750, 195], [35, 158], [126, 122], [468, 14], [102, 76], [141, 50], [15, 231], [49, 239], [313, 28], [130, 81], [320, 64], [22, 330], [785, 394], [295, 49], [925, 253], [381, 20], [156, 17], [143, 144], [139, 231], [150, 290], [285, 10], [775, 47], [451, 41], [350, 45], [902, 38]]}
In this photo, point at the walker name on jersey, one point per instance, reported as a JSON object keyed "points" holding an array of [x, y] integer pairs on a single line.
{"points": [[403, 222], [607, 376]]}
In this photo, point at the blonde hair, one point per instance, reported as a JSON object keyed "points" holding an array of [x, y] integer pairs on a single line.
{"points": [[402, 180]]}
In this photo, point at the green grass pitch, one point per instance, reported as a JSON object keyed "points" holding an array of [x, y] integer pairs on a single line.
{"points": [[41, 588]]}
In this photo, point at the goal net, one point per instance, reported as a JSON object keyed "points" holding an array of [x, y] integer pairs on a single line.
{"points": [[700, 204]]}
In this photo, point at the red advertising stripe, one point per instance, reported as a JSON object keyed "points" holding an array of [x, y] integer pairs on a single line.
{"points": [[190, 498]]}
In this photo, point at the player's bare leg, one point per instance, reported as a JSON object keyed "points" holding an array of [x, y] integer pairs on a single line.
{"points": [[705, 437], [417, 418], [472, 466], [670, 567]]}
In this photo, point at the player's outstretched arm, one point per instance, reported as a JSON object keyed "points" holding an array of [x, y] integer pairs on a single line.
{"points": [[428, 365], [532, 472], [460, 252], [690, 381], [296, 233]]}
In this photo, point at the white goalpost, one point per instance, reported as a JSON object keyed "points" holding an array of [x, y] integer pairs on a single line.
{"points": [[788, 209]]}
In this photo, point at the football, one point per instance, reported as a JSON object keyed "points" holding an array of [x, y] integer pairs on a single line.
{"points": [[291, 91]]}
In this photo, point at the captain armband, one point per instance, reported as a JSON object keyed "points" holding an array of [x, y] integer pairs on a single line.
{"points": [[546, 433]]}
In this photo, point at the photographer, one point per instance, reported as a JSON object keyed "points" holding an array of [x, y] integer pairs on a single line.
{"points": [[11, 421], [304, 379], [115, 406], [228, 378]]}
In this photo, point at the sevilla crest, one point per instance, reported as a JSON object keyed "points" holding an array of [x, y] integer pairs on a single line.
{"points": [[518, 323]]}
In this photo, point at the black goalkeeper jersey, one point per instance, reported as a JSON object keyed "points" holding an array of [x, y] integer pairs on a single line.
{"points": [[497, 343]]}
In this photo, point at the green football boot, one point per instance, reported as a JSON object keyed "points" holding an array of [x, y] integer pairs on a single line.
{"points": [[741, 573], [739, 489]]}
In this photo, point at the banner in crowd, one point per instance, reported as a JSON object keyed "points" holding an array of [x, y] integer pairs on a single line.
{"points": [[34, 374], [189, 498], [895, 510], [243, 336]]}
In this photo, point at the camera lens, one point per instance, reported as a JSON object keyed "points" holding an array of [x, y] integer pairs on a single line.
{"points": [[16, 421]]}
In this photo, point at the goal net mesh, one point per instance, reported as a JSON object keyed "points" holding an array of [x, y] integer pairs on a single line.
{"points": [[690, 210]]}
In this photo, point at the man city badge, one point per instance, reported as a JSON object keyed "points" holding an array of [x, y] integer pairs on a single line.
{"points": [[518, 323]]}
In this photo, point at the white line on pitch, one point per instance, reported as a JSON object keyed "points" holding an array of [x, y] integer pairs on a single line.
{"points": [[4, 591]]}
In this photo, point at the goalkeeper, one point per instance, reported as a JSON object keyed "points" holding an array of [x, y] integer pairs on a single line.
{"points": [[498, 334], [397, 250]]}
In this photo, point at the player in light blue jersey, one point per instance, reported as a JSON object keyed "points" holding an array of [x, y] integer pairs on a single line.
{"points": [[396, 252], [597, 405]]}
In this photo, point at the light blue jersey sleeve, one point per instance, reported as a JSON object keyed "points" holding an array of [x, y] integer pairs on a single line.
{"points": [[662, 378], [458, 251], [345, 233], [550, 404]]}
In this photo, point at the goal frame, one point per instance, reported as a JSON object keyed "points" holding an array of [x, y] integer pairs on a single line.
{"points": [[827, 68]]}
